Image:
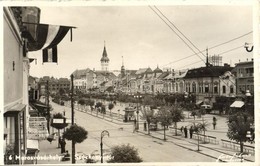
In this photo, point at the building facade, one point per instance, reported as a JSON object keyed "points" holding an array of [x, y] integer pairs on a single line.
{"points": [[244, 72], [16, 74]]}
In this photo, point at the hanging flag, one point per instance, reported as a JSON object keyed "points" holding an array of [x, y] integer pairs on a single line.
{"points": [[47, 36], [47, 39], [50, 55]]}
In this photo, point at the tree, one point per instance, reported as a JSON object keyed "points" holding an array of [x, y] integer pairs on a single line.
{"points": [[204, 126], [82, 102], [164, 116], [148, 115], [76, 134], [124, 154], [59, 126], [110, 107], [238, 125], [103, 110], [197, 128], [176, 115]]}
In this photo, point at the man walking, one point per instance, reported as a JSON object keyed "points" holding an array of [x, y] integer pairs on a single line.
{"points": [[185, 131], [214, 122], [191, 132]]}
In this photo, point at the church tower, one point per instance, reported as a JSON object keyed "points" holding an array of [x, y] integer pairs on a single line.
{"points": [[104, 60], [122, 68]]}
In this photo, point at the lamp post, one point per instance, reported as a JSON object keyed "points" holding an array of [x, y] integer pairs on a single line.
{"points": [[103, 133], [72, 118], [138, 97], [48, 105]]}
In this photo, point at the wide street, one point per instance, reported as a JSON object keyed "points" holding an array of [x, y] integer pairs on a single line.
{"points": [[150, 149]]}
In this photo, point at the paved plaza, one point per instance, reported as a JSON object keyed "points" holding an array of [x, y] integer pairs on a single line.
{"points": [[152, 148]]}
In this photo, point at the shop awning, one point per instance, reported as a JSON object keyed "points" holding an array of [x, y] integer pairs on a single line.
{"points": [[16, 108], [199, 102], [40, 105], [237, 104]]}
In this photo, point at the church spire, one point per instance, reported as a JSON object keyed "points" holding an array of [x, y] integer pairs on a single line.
{"points": [[122, 68], [104, 60]]}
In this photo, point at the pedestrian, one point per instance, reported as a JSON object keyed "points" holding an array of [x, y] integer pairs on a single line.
{"points": [[214, 122], [63, 144], [185, 131], [181, 129], [59, 142], [191, 131]]}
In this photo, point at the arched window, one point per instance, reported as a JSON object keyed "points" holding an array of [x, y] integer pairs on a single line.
{"points": [[215, 87], [206, 87], [231, 89], [194, 87], [224, 89]]}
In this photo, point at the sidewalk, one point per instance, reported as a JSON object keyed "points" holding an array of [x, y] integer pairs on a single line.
{"points": [[208, 149]]}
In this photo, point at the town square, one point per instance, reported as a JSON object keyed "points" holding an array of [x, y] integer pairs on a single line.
{"points": [[146, 84]]}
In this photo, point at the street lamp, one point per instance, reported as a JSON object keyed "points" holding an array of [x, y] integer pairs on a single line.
{"points": [[138, 97], [250, 134], [103, 133]]}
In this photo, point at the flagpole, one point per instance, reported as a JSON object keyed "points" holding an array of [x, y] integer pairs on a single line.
{"points": [[46, 24]]}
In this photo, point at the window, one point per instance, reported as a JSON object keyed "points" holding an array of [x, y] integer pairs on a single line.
{"points": [[231, 89], [224, 89], [194, 87], [207, 88], [215, 89], [176, 87]]}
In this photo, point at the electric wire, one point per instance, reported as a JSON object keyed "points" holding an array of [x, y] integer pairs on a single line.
{"points": [[180, 37]]}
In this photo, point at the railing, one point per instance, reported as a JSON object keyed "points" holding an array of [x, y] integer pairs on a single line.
{"points": [[236, 146], [206, 138]]}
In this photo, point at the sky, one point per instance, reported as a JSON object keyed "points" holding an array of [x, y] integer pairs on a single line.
{"points": [[143, 39]]}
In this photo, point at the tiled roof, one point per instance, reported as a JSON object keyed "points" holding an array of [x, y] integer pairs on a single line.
{"points": [[163, 75], [211, 71]]}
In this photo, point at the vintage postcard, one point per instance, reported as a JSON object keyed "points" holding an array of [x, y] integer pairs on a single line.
{"points": [[134, 82]]}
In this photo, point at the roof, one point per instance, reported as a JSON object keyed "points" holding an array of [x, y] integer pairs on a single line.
{"points": [[245, 63], [163, 75], [144, 70], [210, 71], [77, 73], [157, 70], [104, 55]]}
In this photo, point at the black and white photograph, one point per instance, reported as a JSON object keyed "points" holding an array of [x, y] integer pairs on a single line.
{"points": [[146, 83]]}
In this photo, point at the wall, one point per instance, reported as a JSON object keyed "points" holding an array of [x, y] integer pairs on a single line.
{"points": [[13, 79]]}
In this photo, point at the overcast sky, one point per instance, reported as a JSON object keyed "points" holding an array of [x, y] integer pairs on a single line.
{"points": [[142, 38]]}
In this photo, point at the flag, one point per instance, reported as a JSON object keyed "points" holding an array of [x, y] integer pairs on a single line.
{"points": [[50, 55], [47, 39]]}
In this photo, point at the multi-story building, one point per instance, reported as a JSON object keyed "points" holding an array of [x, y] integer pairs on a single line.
{"points": [[16, 74], [54, 85], [210, 81], [244, 72]]}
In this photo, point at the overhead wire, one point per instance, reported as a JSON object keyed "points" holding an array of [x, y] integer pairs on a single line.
{"points": [[175, 32], [179, 35]]}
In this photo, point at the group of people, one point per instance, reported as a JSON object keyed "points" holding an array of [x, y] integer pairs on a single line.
{"points": [[185, 130]]}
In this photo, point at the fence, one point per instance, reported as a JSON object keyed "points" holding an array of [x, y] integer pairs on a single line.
{"points": [[236, 146], [206, 138]]}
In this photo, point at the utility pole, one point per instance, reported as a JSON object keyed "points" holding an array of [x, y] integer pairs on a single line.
{"points": [[48, 105], [72, 118]]}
